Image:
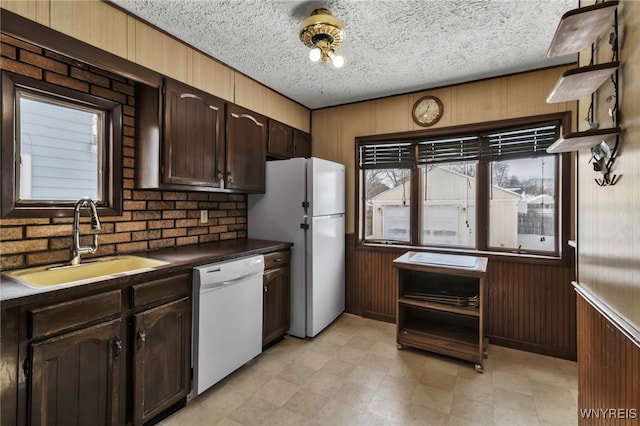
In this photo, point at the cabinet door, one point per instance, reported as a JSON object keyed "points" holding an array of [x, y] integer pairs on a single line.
{"points": [[280, 142], [161, 358], [275, 322], [193, 136], [246, 149], [301, 144], [76, 377]]}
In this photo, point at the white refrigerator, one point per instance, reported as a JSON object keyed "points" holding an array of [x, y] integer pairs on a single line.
{"points": [[304, 204]]}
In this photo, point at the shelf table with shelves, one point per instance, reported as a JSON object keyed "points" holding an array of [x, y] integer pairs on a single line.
{"points": [[448, 317]]}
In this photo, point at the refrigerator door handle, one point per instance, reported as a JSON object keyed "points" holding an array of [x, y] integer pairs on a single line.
{"points": [[304, 226]]}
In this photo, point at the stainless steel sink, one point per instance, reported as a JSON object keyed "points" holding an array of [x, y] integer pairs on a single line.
{"points": [[64, 274]]}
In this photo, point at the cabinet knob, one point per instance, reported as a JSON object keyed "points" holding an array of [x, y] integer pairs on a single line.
{"points": [[142, 337], [117, 347], [229, 178], [266, 290], [220, 175]]}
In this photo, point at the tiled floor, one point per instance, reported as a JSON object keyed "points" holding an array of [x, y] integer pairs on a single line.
{"points": [[352, 374]]}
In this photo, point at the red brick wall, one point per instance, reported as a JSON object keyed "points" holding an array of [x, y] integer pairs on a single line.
{"points": [[150, 219]]}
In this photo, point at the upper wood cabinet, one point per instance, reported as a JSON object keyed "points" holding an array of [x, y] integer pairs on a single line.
{"points": [[246, 150], [180, 138], [280, 141], [286, 142], [301, 144]]}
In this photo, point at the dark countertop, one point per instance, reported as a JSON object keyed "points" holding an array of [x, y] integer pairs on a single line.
{"points": [[181, 259]]}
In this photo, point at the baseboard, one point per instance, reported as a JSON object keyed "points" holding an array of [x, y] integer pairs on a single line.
{"points": [[532, 347]]}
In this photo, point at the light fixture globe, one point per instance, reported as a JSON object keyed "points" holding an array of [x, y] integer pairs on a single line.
{"points": [[324, 32]]}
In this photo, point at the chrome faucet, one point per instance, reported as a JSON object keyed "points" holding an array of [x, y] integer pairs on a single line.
{"points": [[76, 248]]}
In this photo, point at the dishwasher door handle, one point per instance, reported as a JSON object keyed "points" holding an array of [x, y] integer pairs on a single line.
{"points": [[212, 286]]}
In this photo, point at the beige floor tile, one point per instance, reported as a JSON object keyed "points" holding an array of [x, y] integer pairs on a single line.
{"points": [[312, 359], [307, 404], [397, 387], [419, 415], [385, 347], [277, 391], [349, 354], [326, 347], [459, 421], [336, 413], [354, 395], [515, 401], [359, 342], [284, 417], [438, 379], [443, 365], [512, 381], [297, 374], [253, 411], [323, 384], [503, 416], [377, 362], [480, 412], [388, 408], [338, 367], [226, 421], [366, 377], [370, 419], [249, 379], [432, 397], [473, 390]]}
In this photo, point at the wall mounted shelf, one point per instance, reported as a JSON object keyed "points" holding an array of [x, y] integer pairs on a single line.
{"points": [[580, 140], [581, 82], [578, 28], [578, 31]]}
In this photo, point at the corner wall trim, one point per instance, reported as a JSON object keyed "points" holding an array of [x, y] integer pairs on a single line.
{"points": [[612, 316]]}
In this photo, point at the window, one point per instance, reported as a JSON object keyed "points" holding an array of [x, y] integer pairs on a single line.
{"points": [[60, 149], [67, 145], [493, 188]]}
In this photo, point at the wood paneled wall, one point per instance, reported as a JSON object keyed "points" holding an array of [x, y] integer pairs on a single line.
{"points": [[608, 371], [530, 306]]}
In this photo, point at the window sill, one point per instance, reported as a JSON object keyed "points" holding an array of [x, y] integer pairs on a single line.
{"points": [[492, 255]]}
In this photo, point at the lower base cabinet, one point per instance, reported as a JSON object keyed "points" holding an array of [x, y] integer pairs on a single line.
{"points": [[76, 377], [118, 357], [161, 358], [276, 301]]}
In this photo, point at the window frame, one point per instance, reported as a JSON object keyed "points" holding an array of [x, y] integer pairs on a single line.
{"points": [[563, 182], [111, 161]]}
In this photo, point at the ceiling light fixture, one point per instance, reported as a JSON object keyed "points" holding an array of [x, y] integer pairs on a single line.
{"points": [[323, 33]]}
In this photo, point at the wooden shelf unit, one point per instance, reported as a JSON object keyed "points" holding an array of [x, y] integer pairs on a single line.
{"points": [[578, 83], [451, 330], [578, 28], [578, 31], [581, 140]]}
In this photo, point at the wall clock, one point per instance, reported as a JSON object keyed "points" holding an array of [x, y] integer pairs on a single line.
{"points": [[427, 111]]}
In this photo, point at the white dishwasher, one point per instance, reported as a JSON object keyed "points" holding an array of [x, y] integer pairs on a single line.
{"points": [[227, 318]]}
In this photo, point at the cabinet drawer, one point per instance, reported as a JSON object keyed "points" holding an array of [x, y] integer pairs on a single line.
{"points": [[276, 259], [171, 287], [54, 318]]}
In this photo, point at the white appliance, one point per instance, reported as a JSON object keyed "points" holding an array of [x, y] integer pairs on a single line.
{"points": [[304, 204], [227, 318]]}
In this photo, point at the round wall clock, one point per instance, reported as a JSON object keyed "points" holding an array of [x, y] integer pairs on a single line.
{"points": [[427, 111]]}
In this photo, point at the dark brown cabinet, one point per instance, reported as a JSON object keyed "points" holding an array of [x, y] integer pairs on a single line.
{"points": [[276, 302], [75, 379], [246, 150], [117, 357], [280, 141], [180, 138], [286, 142], [301, 144], [161, 358]]}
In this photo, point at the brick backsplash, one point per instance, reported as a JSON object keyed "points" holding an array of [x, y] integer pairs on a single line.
{"points": [[150, 219]]}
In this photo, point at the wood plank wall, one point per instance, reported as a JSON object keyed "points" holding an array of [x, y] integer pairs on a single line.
{"points": [[530, 307], [608, 371]]}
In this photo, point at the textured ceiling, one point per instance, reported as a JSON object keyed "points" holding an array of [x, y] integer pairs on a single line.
{"points": [[390, 47]]}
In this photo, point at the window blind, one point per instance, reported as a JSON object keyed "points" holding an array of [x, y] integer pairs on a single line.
{"points": [[520, 143], [397, 155], [449, 150]]}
